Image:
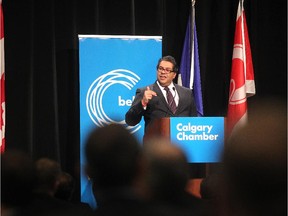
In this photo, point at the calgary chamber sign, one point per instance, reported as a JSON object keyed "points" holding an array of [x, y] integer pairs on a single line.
{"points": [[202, 138], [111, 69]]}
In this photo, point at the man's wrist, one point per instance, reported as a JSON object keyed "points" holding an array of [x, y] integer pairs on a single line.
{"points": [[144, 104]]}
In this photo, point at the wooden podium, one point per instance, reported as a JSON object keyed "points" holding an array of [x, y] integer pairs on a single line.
{"points": [[159, 127], [198, 171]]}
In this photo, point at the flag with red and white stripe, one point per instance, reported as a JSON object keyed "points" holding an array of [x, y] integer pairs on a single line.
{"points": [[242, 83], [2, 81]]}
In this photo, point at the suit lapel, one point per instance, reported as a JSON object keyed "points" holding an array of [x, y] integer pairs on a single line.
{"points": [[158, 91]]}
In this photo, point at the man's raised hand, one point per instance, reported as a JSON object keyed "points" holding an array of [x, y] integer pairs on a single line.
{"points": [[148, 95]]}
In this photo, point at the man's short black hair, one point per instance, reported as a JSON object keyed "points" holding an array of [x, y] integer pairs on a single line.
{"points": [[171, 59]]}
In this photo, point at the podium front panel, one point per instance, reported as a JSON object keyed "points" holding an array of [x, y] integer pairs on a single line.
{"points": [[202, 138]]}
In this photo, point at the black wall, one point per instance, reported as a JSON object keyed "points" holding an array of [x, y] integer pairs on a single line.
{"points": [[41, 57]]}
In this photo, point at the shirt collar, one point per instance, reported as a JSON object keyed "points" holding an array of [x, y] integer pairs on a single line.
{"points": [[170, 86]]}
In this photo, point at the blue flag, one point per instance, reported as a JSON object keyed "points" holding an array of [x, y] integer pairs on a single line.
{"points": [[189, 75]]}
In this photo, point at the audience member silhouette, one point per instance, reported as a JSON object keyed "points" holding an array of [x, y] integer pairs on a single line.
{"points": [[210, 192], [48, 172], [167, 179], [65, 191], [66, 187], [209, 187], [44, 201], [114, 164], [17, 182], [255, 165]]}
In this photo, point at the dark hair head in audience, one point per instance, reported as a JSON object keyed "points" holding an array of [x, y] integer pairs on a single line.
{"points": [[48, 172], [168, 170], [112, 154], [66, 186], [255, 163], [17, 179]]}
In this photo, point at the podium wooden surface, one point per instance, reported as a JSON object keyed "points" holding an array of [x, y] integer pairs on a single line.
{"points": [[159, 127], [194, 185]]}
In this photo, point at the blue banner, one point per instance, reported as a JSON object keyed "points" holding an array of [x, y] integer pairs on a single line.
{"points": [[202, 138], [111, 69]]}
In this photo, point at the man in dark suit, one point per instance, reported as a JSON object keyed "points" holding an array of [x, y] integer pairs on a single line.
{"points": [[152, 101]]}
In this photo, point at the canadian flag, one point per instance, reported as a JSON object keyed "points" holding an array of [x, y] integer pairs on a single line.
{"points": [[242, 83], [2, 81]]}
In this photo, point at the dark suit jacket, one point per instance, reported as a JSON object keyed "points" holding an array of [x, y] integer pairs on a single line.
{"points": [[158, 107]]}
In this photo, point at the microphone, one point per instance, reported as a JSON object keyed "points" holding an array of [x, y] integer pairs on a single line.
{"points": [[174, 92], [173, 95]]}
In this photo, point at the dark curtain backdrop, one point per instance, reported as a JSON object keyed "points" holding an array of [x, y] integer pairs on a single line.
{"points": [[41, 57]]}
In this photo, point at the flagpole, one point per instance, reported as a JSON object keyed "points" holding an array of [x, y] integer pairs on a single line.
{"points": [[242, 83], [189, 75], [192, 43], [2, 84], [243, 36], [192, 21]]}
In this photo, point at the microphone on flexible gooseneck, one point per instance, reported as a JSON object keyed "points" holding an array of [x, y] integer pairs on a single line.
{"points": [[174, 92], [173, 96]]}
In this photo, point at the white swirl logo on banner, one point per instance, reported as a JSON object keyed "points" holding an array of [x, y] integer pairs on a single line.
{"points": [[94, 97]]}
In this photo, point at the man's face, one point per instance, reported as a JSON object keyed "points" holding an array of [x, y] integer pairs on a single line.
{"points": [[164, 73]]}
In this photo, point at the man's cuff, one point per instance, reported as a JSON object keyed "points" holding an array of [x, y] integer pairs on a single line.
{"points": [[144, 105]]}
